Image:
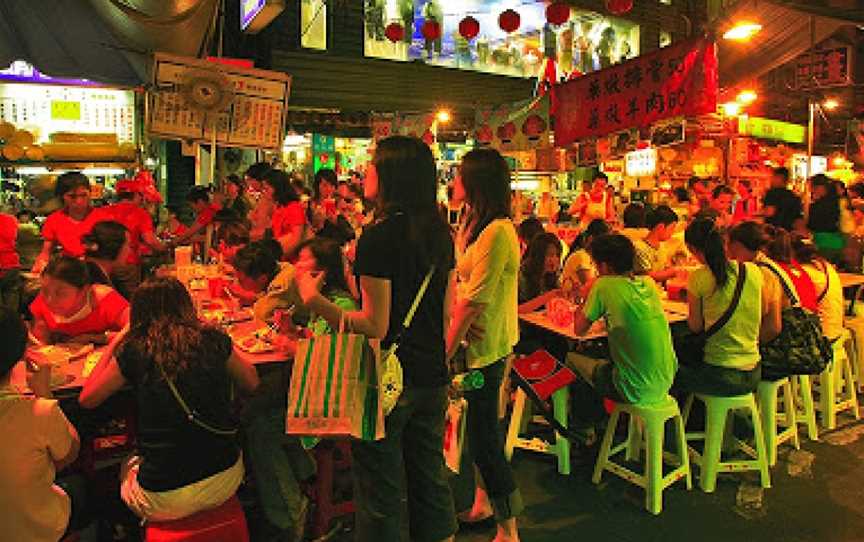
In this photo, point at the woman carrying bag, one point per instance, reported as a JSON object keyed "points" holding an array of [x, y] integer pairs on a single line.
{"points": [[394, 256], [488, 269]]}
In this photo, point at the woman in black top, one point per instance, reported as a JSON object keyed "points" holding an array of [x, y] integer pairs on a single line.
{"points": [[393, 257], [823, 219], [175, 365]]}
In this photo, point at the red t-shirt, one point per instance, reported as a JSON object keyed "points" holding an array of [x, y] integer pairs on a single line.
{"points": [[205, 217], [108, 308], [803, 285], [67, 232], [8, 235], [286, 216], [136, 220]]}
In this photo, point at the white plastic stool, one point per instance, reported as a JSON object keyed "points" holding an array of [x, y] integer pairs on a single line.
{"points": [[718, 409], [837, 390], [805, 411], [767, 398], [653, 418], [519, 422]]}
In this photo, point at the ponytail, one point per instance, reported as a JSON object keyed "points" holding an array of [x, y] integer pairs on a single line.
{"points": [[703, 236]]}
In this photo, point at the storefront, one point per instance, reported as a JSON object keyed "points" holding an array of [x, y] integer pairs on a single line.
{"points": [[496, 36]]}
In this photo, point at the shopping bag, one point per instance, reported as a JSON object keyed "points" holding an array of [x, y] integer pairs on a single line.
{"points": [[454, 433], [335, 388]]}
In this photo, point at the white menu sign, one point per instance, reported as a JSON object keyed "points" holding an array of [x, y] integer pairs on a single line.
{"points": [[255, 117]]}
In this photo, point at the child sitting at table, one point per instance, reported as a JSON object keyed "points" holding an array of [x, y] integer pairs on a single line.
{"points": [[181, 373], [643, 362], [579, 271], [70, 307], [40, 442], [231, 237], [652, 254], [322, 259], [269, 281]]}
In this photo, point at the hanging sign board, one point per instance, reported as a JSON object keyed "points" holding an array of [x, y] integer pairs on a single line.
{"points": [[676, 81], [641, 163], [772, 129], [257, 14], [257, 103]]}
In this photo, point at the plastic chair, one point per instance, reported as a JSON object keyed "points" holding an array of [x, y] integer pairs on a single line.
{"points": [[331, 457], [225, 523], [805, 410], [854, 326], [710, 461], [837, 390], [653, 418], [519, 420], [767, 398]]}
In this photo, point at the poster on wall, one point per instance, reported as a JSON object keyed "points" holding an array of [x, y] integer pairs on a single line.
{"points": [[679, 80], [253, 103], [520, 126], [436, 32]]}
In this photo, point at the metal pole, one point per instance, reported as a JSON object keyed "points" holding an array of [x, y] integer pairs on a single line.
{"points": [[811, 133]]}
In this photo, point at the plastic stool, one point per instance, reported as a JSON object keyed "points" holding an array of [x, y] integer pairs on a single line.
{"points": [[767, 397], [225, 523], [805, 411], [718, 410], [519, 424], [855, 327], [331, 456], [837, 391], [654, 418]]}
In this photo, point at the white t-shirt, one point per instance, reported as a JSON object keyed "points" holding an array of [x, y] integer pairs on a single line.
{"points": [[831, 305], [32, 508], [488, 273]]}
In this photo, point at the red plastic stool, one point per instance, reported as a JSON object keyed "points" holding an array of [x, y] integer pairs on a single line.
{"points": [[225, 523], [322, 490]]}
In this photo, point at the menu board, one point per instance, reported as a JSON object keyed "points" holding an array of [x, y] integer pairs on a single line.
{"points": [[253, 117], [46, 109]]}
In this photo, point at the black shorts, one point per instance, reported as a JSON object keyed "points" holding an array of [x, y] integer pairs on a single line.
{"points": [[603, 379]]}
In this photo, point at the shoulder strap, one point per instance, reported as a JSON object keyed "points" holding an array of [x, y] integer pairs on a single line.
{"points": [[736, 298], [827, 283], [418, 298], [191, 415], [793, 297]]}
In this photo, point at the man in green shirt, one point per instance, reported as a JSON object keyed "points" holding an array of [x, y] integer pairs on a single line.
{"points": [[643, 362]]}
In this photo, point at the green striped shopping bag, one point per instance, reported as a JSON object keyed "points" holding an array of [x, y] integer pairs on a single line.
{"points": [[335, 389]]}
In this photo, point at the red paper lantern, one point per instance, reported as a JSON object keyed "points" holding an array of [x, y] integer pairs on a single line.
{"points": [[484, 135], [557, 13], [509, 20], [428, 137], [619, 7], [506, 132], [394, 32], [431, 30], [469, 27], [533, 127]]}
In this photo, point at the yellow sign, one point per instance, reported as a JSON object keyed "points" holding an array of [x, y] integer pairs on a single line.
{"points": [[65, 110]]}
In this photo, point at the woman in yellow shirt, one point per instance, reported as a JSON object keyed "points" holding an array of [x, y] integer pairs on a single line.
{"points": [[488, 270]]}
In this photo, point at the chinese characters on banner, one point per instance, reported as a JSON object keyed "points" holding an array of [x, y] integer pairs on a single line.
{"points": [[515, 127], [679, 80]]}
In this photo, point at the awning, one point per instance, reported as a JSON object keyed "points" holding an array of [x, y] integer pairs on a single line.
{"points": [[109, 41], [786, 33]]}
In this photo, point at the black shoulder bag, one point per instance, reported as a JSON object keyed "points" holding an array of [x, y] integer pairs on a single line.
{"points": [[689, 346], [800, 348]]}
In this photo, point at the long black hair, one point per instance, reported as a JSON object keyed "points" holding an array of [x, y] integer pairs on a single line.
{"points": [[408, 184], [283, 190], [328, 256], [703, 236], [105, 240], [534, 276], [751, 235], [486, 178]]}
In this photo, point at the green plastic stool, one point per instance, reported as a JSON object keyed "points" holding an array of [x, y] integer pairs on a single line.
{"points": [[718, 410], [520, 418], [653, 419], [805, 410], [837, 391], [767, 398]]}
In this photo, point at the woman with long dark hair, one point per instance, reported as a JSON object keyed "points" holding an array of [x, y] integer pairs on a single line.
{"points": [[394, 255], [731, 364], [539, 272], [181, 372], [488, 270]]}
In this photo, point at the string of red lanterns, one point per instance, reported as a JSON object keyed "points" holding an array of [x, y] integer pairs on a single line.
{"points": [[557, 13]]}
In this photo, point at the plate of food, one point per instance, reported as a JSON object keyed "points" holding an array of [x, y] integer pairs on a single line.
{"points": [[224, 316], [57, 354], [257, 341]]}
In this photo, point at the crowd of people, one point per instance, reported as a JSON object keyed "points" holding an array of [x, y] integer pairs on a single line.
{"points": [[336, 254]]}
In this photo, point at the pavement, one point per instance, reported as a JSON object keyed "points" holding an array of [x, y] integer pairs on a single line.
{"points": [[817, 494]]}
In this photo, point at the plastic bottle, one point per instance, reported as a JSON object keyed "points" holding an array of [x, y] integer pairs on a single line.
{"points": [[472, 380]]}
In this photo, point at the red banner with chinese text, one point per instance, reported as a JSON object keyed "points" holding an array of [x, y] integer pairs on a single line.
{"points": [[679, 80]]}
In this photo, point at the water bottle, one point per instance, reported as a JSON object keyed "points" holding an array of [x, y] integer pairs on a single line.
{"points": [[472, 380]]}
